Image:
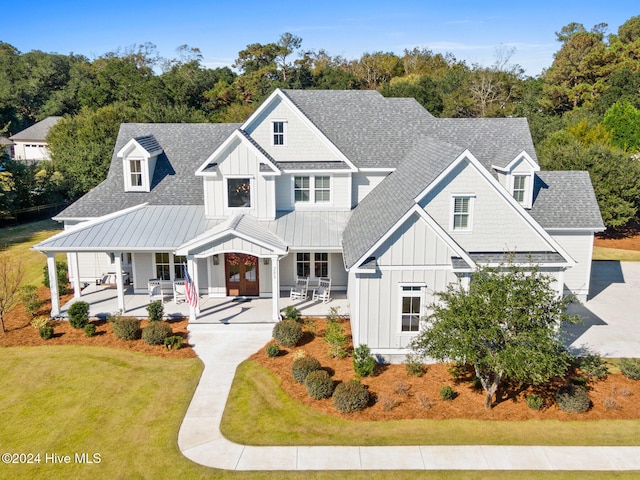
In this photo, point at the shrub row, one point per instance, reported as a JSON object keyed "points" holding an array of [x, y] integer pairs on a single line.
{"points": [[287, 333], [630, 368]]}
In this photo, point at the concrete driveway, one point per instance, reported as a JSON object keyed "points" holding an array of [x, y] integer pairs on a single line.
{"points": [[611, 314]]}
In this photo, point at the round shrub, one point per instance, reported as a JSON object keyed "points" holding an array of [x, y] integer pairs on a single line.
{"points": [[630, 368], [319, 384], [287, 333], [363, 362], [572, 399], [350, 396], [534, 402], [156, 332], [173, 342], [79, 314], [302, 367], [155, 310], [46, 332], [273, 350], [126, 328], [90, 329], [447, 393]]}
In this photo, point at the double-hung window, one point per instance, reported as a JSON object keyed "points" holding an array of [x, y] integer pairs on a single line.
{"points": [[303, 264], [519, 187], [163, 266], [312, 189], [321, 264], [411, 304], [461, 212], [135, 172], [314, 264], [278, 132]]}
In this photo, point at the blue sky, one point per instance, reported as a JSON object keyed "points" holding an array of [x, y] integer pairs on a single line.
{"points": [[471, 30]]}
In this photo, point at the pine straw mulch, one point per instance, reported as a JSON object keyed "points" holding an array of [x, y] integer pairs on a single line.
{"points": [[627, 238], [20, 333], [397, 395]]}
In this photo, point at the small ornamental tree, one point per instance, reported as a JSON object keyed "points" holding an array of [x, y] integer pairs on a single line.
{"points": [[11, 273], [504, 325]]}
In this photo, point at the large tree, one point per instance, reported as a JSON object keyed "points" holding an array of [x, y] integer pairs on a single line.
{"points": [[504, 325]]}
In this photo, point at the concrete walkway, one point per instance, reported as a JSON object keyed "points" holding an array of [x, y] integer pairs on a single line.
{"points": [[223, 347]]}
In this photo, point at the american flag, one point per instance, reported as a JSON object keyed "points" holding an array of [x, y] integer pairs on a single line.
{"points": [[190, 289]]}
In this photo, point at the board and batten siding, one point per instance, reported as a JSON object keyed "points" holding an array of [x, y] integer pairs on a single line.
{"points": [[580, 246], [142, 271], [301, 143], [238, 160], [496, 225]]}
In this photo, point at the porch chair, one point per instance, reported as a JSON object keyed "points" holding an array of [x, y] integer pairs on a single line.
{"points": [[323, 290], [155, 290], [179, 291], [299, 292]]}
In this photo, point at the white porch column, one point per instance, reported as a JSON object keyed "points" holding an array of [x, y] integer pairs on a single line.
{"points": [[53, 284], [75, 273], [192, 267], [275, 286], [119, 284]]}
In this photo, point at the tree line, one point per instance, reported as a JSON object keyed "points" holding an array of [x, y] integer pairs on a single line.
{"points": [[584, 110]]}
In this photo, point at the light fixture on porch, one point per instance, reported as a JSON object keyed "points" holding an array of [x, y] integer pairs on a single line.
{"points": [[266, 261], [216, 260]]}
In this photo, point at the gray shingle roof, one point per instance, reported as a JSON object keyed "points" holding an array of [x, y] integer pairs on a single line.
{"points": [[37, 131], [186, 146], [313, 165], [394, 197], [370, 130], [565, 199], [149, 143]]}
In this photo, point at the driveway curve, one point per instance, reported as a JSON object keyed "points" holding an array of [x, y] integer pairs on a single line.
{"points": [[223, 347]]}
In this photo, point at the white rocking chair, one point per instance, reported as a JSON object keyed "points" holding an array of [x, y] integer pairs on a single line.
{"points": [[299, 292], [322, 292], [179, 291], [155, 290]]}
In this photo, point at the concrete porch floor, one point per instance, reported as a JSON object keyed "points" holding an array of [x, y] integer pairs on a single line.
{"points": [[103, 301]]}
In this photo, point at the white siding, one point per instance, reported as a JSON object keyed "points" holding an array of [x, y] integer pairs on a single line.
{"points": [[217, 280], [336, 271], [580, 246], [340, 193], [92, 265], [363, 183], [284, 192], [301, 143], [496, 225], [142, 271]]}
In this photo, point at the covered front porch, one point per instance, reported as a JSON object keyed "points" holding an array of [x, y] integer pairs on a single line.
{"points": [[103, 300]]}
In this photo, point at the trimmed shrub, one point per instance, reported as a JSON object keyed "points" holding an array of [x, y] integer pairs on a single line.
{"points": [[413, 365], [287, 333], [39, 322], [155, 310], [79, 314], [126, 328], [61, 274], [155, 333], [572, 399], [30, 300], [46, 332], [302, 367], [319, 384], [534, 402], [364, 363], [447, 393], [630, 368], [593, 366], [174, 342], [273, 350], [292, 313], [350, 396], [90, 329]]}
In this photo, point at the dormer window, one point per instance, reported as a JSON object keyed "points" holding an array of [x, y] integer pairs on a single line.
{"points": [[519, 187], [139, 157], [279, 133], [135, 169]]}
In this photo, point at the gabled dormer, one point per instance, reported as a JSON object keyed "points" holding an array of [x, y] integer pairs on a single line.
{"points": [[139, 158], [518, 178]]}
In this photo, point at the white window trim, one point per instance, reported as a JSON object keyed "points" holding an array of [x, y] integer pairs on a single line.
{"points": [[172, 264], [252, 196], [528, 187], [417, 293], [284, 132], [144, 169], [312, 191], [312, 263], [471, 198]]}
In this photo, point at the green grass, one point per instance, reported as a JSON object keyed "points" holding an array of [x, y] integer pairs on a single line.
{"points": [[604, 253], [128, 408], [259, 412], [19, 240]]}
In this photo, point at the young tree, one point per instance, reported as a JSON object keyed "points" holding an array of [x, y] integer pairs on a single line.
{"points": [[504, 325], [11, 273]]}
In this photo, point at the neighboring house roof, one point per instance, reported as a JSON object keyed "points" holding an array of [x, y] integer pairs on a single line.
{"points": [[37, 131], [185, 147], [379, 211], [369, 129], [565, 200], [5, 141]]}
